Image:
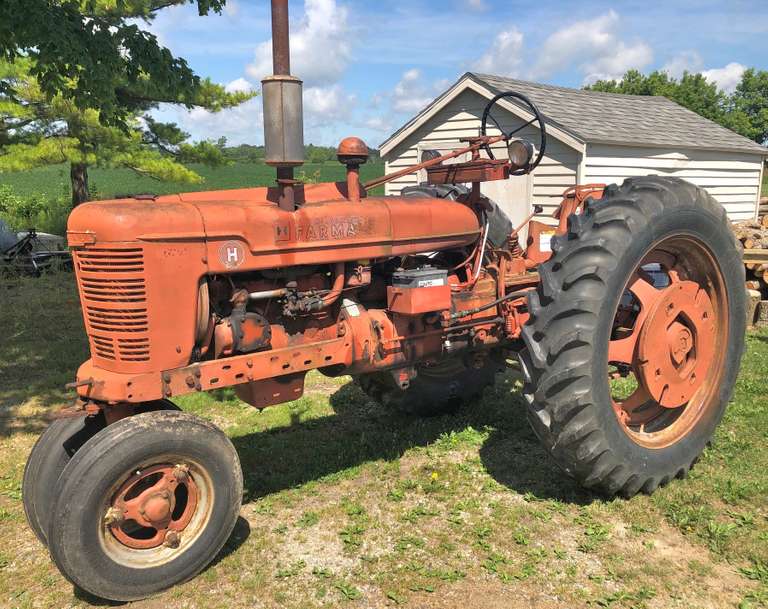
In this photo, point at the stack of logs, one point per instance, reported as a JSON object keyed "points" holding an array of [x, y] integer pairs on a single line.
{"points": [[754, 237]]}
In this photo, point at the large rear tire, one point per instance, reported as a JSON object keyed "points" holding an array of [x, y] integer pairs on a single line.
{"points": [[647, 287], [145, 504], [436, 390]]}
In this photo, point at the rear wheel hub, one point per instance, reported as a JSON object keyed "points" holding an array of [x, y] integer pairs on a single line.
{"points": [[676, 343], [666, 342]]}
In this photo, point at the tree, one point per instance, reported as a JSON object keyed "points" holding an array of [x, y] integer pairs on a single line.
{"points": [[37, 131], [749, 106], [93, 53], [745, 111], [49, 116]]}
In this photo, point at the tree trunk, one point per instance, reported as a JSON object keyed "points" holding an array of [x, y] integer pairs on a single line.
{"points": [[78, 173]]}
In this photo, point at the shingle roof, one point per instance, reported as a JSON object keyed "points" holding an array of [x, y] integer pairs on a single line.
{"points": [[595, 117]]}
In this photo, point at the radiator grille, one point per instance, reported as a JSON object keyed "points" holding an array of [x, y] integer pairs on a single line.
{"points": [[114, 297]]}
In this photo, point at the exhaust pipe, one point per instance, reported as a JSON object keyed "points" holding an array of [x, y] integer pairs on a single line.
{"points": [[283, 109]]}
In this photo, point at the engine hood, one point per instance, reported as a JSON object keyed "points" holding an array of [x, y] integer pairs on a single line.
{"points": [[246, 230]]}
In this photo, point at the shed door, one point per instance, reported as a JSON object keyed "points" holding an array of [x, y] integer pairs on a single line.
{"points": [[513, 196]]}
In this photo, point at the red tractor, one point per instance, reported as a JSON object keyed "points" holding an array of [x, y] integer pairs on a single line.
{"points": [[422, 298]]}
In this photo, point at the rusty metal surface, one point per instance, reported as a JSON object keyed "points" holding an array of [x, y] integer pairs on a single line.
{"points": [[415, 301], [281, 49], [268, 392], [671, 369], [474, 147], [672, 344], [352, 148], [147, 510], [481, 170]]}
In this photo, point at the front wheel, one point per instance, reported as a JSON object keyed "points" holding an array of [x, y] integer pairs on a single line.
{"points": [[636, 335], [145, 504], [50, 455]]}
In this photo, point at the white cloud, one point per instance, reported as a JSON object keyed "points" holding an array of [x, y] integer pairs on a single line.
{"points": [[687, 61], [321, 45], [410, 94], [727, 77], [325, 104], [379, 123], [505, 55], [612, 66], [242, 124], [593, 46], [239, 85]]}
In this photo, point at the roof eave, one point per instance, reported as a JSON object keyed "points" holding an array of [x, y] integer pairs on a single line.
{"points": [[752, 151]]}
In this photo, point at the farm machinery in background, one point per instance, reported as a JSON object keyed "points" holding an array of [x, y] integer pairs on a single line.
{"points": [[626, 317], [32, 253]]}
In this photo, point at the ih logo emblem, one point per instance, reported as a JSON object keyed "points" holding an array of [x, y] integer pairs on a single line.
{"points": [[232, 254], [282, 232]]}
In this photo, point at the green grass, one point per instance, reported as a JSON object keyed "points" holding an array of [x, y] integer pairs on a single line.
{"points": [[349, 505], [106, 183]]}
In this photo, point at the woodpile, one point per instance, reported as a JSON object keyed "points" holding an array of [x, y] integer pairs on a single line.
{"points": [[754, 236], [763, 211]]}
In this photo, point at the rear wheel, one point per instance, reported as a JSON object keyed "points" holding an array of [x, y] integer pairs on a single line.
{"points": [[50, 455], [147, 503], [438, 389], [636, 335]]}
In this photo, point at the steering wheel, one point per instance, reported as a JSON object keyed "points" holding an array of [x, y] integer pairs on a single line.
{"points": [[537, 118]]}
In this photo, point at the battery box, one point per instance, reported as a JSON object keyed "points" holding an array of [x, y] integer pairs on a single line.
{"points": [[417, 291]]}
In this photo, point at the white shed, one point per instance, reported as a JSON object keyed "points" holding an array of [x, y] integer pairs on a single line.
{"points": [[593, 138]]}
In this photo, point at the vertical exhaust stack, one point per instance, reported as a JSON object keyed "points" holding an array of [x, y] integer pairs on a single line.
{"points": [[283, 109]]}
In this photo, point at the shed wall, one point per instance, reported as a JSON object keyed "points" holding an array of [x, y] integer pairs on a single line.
{"points": [[732, 178]]}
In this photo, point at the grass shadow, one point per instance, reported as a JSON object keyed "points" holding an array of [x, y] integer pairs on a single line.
{"points": [[44, 343], [361, 431]]}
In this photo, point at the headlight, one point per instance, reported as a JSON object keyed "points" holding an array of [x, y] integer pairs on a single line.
{"points": [[520, 152]]}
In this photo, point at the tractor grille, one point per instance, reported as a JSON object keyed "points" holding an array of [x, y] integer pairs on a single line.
{"points": [[114, 297]]}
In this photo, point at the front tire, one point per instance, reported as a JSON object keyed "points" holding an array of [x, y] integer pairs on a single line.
{"points": [[646, 287], [146, 504], [50, 455]]}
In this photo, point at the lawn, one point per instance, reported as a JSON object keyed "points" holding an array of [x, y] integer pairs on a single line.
{"points": [[106, 183], [348, 505]]}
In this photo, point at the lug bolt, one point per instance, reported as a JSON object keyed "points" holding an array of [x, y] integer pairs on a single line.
{"points": [[172, 539], [181, 472], [113, 516]]}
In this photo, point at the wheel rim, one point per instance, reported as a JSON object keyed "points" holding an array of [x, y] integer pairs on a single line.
{"points": [[666, 350], [156, 511]]}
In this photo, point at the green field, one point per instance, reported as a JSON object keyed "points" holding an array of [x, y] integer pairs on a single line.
{"points": [[106, 183], [350, 505]]}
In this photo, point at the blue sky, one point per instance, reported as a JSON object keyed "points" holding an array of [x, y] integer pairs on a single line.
{"points": [[369, 66]]}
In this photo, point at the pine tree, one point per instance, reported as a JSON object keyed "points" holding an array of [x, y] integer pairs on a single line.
{"points": [[51, 114]]}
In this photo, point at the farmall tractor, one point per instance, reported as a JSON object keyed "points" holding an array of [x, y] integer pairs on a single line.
{"points": [[421, 298]]}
